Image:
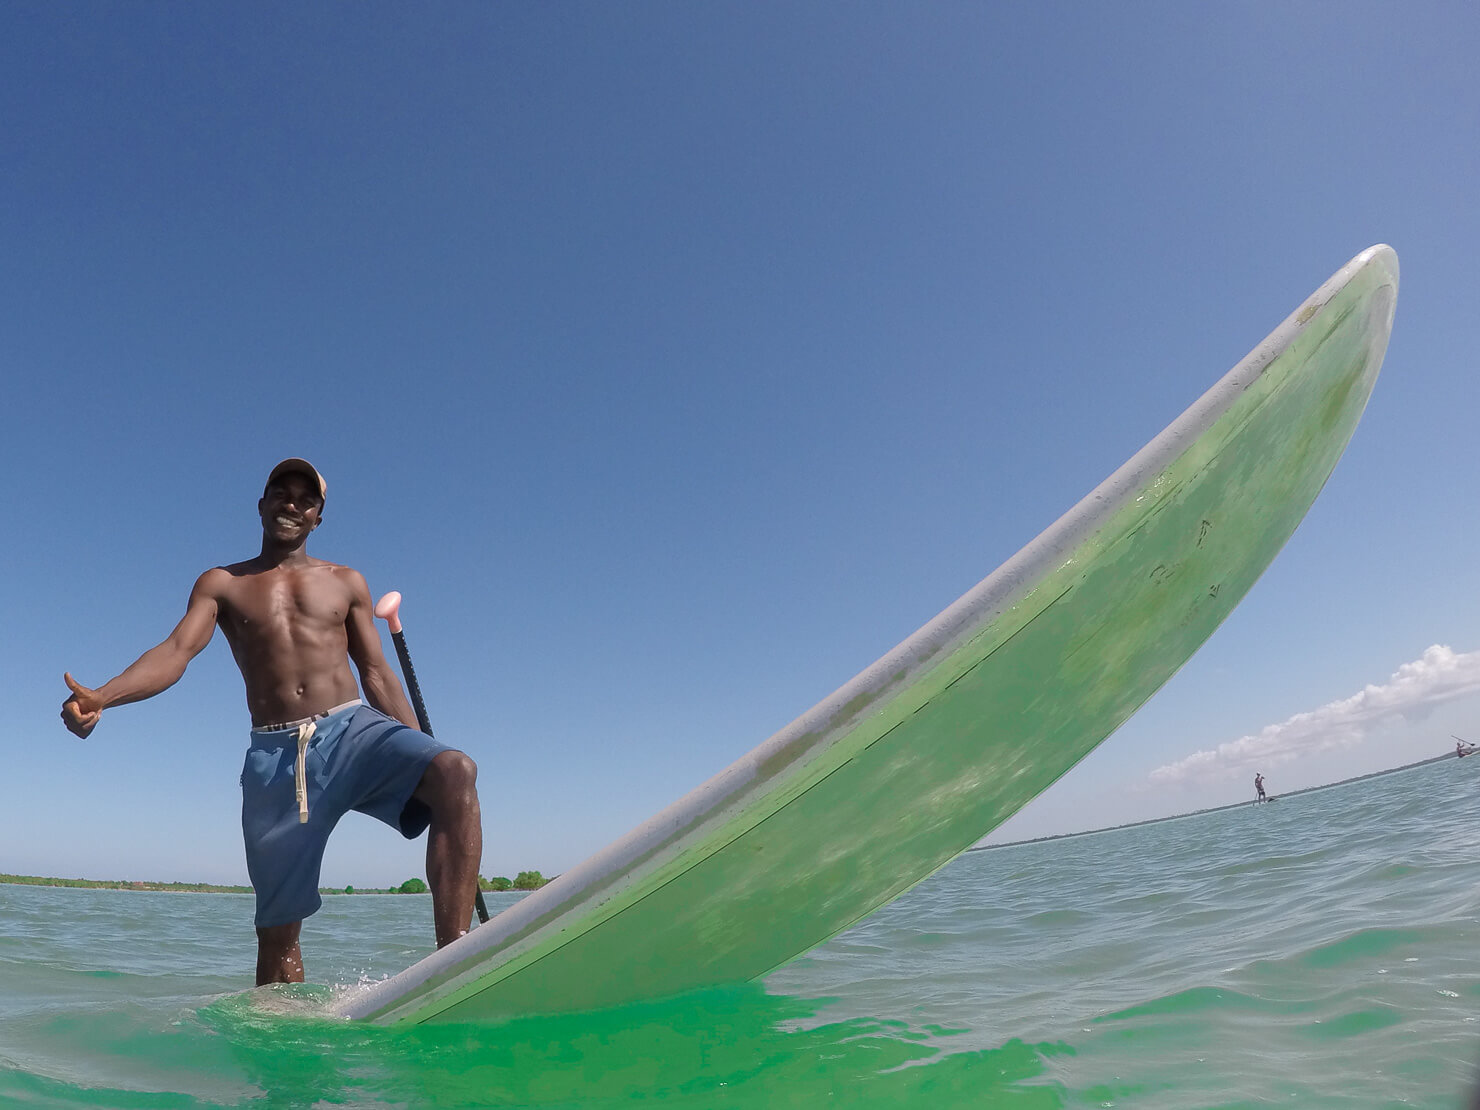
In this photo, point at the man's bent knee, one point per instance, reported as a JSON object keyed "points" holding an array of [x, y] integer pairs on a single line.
{"points": [[458, 767], [449, 775]]}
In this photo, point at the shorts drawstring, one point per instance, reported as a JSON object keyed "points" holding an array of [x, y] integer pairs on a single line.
{"points": [[300, 775], [272, 736]]}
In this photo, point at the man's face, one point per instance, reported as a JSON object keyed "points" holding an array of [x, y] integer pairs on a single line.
{"points": [[291, 508]]}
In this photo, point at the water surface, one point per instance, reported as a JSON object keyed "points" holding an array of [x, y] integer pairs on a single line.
{"points": [[1321, 951]]}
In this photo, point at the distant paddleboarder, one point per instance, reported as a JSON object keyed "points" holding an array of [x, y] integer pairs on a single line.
{"points": [[1259, 788], [317, 751]]}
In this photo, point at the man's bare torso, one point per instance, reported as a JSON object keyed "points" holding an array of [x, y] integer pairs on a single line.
{"points": [[288, 627]]}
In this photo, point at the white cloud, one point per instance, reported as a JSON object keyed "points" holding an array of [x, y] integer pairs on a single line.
{"points": [[1438, 676]]}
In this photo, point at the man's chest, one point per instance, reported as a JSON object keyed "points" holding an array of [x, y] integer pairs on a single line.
{"points": [[286, 601]]}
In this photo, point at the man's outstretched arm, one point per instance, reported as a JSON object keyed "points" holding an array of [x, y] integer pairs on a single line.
{"points": [[382, 688], [157, 669]]}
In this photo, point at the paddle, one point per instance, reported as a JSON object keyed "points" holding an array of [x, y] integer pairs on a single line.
{"points": [[388, 609]]}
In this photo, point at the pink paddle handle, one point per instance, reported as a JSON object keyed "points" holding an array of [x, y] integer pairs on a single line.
{"points": [[388, 609]]}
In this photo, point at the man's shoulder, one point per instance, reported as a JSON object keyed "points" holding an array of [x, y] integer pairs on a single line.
{"points": [[217, 577], [217, 582], [339, 570], [343, 577]]}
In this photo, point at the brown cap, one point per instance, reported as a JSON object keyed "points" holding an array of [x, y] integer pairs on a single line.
{"points": [[299, 466]]}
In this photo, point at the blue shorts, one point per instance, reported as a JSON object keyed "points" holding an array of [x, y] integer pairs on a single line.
{"points": [[357, 759]]}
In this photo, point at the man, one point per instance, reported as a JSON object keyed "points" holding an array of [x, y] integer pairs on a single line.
{"points": [[294, 623], [1258, 787]]}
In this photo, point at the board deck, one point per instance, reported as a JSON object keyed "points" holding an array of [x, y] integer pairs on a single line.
{"points": [[945, 737]]}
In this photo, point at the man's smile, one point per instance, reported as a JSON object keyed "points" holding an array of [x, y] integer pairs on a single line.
{"points": [[285, 525]]}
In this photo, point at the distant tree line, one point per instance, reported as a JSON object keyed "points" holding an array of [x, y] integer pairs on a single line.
{"points": [[124, 884], [525, 880]]}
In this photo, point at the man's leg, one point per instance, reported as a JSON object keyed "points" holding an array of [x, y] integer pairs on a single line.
{"points": [[449, 788], [279, 959]]}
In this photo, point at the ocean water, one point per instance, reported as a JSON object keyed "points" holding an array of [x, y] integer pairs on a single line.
{"points": [[1322, 951]]}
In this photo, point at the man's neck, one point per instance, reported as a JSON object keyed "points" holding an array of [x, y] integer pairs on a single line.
{"points": [[282, 555]]}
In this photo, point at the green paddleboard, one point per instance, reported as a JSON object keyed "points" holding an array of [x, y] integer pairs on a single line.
{"points": [[945, 737]]}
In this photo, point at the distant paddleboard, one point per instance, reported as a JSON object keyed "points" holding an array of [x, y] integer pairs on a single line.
{"points": [[949, 734]]}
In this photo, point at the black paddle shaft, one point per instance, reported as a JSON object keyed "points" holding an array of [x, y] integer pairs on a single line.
{"points": [[414, 688]]}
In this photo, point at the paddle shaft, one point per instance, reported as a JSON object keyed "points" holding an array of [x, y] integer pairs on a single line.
{"points": [[412, 686], [398, 637]]}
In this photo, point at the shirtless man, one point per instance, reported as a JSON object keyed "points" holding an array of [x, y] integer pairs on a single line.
{"points": [[294, 623]]}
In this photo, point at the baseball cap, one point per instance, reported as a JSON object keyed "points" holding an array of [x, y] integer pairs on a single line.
{"points": [[298, 466]]}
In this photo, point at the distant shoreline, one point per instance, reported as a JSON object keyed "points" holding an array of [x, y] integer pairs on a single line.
{"points": [[527, 880], [167, 888], [1210, 809]]}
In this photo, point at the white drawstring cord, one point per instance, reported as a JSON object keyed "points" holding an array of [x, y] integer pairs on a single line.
{"points": [[300, 776]]}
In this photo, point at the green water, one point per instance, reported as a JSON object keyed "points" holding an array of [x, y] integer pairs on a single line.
{"points": [[1318, 952]]}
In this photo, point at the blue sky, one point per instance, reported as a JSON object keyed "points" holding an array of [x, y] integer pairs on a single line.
{"points": [[677, 360]]}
